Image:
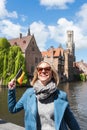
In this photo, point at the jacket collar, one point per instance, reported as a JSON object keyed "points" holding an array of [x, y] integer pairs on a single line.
{"points": [[32, 103], [59, 109]]}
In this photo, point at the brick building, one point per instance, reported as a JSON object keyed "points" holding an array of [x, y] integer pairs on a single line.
{"points": [[30, 50], [63, 59]]}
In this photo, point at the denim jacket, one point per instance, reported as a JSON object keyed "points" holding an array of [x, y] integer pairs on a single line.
{"points": [[62, 114]]}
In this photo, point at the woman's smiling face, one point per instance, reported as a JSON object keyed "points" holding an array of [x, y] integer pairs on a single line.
{"points": [[44, 73]]}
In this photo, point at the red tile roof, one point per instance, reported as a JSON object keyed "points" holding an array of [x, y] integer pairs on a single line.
{"points": [[21, 42], [82, 66], [56, 52]]}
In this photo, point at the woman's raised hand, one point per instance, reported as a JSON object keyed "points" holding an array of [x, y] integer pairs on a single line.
{"points": [[12, 84]]}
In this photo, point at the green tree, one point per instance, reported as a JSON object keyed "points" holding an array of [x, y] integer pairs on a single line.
{"points": [[16, 61], [4, 74], [4, 44], [4, 49], [4, 65], [1, 63], [19, 61], [11, 60], [13, 52]]}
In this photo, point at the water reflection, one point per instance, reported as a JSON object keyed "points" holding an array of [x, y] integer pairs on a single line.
{"points": [[77, 96], [4, 113]]}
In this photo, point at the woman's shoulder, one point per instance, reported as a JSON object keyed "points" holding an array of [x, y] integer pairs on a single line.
{"points": [[29, 90], [62, 94]]}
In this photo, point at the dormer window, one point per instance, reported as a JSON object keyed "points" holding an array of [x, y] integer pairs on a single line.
{"points": [[15, 43], [24, 41]]}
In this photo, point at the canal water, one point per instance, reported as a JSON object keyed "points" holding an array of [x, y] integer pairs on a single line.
{"points": [[77, 96]]}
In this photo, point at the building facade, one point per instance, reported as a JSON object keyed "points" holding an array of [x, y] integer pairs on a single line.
{"points": [[29, 49], [63, 59]]}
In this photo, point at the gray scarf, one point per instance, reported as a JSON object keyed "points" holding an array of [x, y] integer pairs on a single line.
{"points": [[42, 91]]}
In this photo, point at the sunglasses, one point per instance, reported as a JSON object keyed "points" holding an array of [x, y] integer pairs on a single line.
{"points": [[46, 69]]}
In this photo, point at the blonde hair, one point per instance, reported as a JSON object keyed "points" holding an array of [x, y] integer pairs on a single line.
{"points": [[55, 76]]}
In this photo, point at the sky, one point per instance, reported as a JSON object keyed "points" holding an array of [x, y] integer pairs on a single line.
{"points": [[48, 20]]}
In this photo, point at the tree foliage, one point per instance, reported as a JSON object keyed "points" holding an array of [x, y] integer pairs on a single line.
{"points": [[11, 60], [82, 77], [4, 44]]}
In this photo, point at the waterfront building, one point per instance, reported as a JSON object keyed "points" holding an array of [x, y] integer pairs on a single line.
{"points": [[63, 59], [29, 49]]}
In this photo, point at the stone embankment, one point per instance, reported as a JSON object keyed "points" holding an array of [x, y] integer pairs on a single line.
{"points": [[9, 126]]}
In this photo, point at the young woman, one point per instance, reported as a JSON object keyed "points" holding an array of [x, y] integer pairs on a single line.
{"points": [[46, 107]]}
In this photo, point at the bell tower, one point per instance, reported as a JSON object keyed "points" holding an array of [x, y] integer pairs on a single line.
{"points": [[69, 56], [70, 42]]}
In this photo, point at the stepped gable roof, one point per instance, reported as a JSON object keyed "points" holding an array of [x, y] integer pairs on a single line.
{"points": [[55, 51], [85, 64], [82, 66], [22, 42]]}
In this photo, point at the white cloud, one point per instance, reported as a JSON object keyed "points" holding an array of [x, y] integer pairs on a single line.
{"points": [[61, 4], [10, 30], [23, 18], [58, 32], [4, 12], [44, 33], [82, 18], [40, 32]]}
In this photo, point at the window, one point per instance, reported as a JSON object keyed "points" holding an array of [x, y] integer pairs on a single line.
{"points": [[36, 60], [39, 59], [15, 43], [33, 49], [33, 43], [32, 69]]}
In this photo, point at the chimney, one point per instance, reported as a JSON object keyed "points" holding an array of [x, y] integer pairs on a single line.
{"points": [[20, 35], [28, 32]]}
